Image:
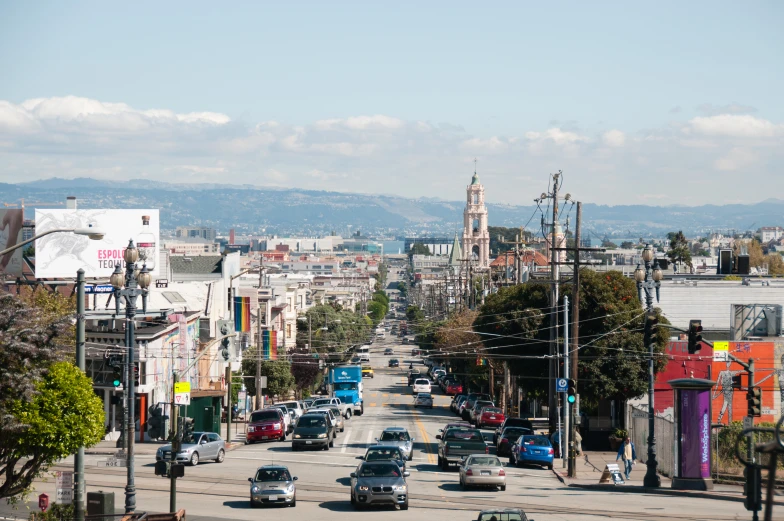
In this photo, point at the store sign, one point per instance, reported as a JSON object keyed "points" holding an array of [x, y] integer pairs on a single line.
{"points": [[61, 254]]}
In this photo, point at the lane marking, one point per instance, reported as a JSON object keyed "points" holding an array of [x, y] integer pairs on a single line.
{"points": [[373, 404], [345, 441], [430, 458]]}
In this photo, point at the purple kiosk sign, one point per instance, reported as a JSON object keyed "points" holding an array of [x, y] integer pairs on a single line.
{"points": [[693, 428]]}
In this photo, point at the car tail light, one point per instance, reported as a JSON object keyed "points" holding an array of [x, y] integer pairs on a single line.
{"points": [[469, 472], [487, 449], [523, 449], [501, 472], [551, 449], [504, 440]]}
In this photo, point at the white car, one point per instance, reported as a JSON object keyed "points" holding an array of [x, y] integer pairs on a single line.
{"points": [[287, 420], [294, 406], [421, 385]]}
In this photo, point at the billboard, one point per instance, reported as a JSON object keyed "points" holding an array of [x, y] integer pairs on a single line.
{"points": [[11, 222], [60, 255]]}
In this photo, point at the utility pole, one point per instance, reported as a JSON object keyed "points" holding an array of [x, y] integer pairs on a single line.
{"points": [[566, 434], [573, 358], [78, 491], [554, 272], [258, 359]]}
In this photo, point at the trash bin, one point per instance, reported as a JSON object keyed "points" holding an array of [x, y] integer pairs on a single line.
{"points": [[100, 504]]}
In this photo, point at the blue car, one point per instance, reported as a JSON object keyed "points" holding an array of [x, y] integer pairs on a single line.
{"points": [[534, 450]]}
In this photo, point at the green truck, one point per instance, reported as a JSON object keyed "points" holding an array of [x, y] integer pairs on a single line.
{"points": [[456, 443]]}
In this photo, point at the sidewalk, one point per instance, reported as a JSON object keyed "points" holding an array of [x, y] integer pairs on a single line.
{"points": [[590, 466]]}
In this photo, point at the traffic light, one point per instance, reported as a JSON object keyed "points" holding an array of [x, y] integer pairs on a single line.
{"points": [[737, 382], [226, 327], [571, 391], [178, 432], [651, 321], [695, 336], [752, 488], [136, 375], [187, 430], [115, 363], [754, 398]]}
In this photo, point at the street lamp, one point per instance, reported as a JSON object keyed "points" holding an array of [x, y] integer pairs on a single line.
{"points": [[95, 234], [649, 280], [129, 286]]}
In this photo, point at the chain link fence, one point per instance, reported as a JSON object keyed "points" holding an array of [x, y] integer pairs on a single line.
{"points": [[665, 438]]}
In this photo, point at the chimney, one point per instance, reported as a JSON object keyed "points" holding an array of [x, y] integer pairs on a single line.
{"points": [[231, 236], [70, 202]]}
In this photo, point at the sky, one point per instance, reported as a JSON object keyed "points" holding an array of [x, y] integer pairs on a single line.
{"points": [[637, 103]]}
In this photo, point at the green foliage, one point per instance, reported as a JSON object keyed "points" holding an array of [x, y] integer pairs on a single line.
{"points": [[732, 277], [507, 235], [55, 512], [627, 245], [731, 434], [343, 329], [608, 244], [62, 416], [419, 249], [679, 248], [377, 311], [305, 370], [278, 373], [29, 251]]}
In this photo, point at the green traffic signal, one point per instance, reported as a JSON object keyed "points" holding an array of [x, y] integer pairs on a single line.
{"points": [[571, 399], [116, 382]]}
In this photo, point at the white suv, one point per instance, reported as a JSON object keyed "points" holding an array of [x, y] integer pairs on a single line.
{"points": [[421, 385]]}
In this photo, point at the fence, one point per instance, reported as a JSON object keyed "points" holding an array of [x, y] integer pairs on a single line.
{"points": [[665, 438]]}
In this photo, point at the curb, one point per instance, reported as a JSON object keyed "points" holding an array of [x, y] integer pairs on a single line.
{"points": [[634, 489]]}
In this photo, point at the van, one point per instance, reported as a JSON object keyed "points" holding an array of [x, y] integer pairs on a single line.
{"points": [[363, 350]]}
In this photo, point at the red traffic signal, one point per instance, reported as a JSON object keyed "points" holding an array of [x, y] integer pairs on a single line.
{"points": [[695, 336]]}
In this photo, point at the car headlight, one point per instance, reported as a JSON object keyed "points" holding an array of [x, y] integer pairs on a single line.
{"points": [[297, 436], [255, 489], [400, 488], [290, 488], [357, 403], [322, 435], [276, 426], [362, 488]]}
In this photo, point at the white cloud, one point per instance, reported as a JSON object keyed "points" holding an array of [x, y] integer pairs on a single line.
{"points": [[557, 136], [733, 125], [614, 138], [491, 145], [736, 159]]}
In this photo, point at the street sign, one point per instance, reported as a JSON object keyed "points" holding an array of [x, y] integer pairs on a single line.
{"points": [[612, 473], [263, 382], [112, 462], [182, 387], [182, 399], [561, 385], [241, 398], [637, 413], [721, 351], [64, 486], [161, 283], [748, 422], [103, 288]]}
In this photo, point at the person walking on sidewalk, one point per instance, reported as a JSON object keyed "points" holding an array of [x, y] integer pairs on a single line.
{"points": [[628, 454]]}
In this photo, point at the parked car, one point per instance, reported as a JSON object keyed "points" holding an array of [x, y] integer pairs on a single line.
{"points": [[422, 385], [490, 417], [453, 387], [313, 431], [482, 470], [265, 425], [203, 446], [508, 437], [456, 399], [469, 403], [424, 400], [379, 483], [346, 409], [399, 437], [477, 409], [457, 442], [273, 485], [394, 362], [384, 453], [532, 449], [512, 422], [367, 372], [503, 514], [455, 425]]}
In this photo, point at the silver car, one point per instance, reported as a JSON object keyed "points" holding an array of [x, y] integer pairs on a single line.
{"points": [[379, 483], [482, 470], [335, 419], [398, 436], [273, 485], [205, 445]]}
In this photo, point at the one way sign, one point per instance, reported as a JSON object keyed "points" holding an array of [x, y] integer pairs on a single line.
{"points": [[182, 399]]}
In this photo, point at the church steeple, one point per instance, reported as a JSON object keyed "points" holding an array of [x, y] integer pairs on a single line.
{"points": [[456, 254], [476, 239]]}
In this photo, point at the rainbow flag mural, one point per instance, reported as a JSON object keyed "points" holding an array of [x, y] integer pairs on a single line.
{"points": [[269, 345], [242, 314], [481, 361]]}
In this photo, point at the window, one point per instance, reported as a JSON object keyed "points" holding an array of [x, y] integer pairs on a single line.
{"points": [[213, 437]]}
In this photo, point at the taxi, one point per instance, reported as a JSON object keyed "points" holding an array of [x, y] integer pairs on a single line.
{"points": [[367, 372]]}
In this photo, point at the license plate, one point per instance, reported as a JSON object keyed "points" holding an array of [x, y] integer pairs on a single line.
{"points": [[308, 443], [273, 498], [536, 451], [265, 437], [484, 473], [492, 417]]}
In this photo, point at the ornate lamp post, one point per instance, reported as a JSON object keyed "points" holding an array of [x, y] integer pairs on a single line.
{"points": [[130, 286], [649, 281]]}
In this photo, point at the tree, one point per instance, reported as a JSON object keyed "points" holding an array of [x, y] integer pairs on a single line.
{"points": [[419, 249], [679, 248], [278, 373], [305, 369], [457, 342], [332, 330], [627, 245], [377, 311], [63, 415], [608, 244]]}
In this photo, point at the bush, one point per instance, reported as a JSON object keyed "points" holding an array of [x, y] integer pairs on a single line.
{"points": [[728, 437], [55, 512]]}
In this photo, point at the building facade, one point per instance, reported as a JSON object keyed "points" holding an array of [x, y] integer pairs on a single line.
{"points": [[476, 239]]}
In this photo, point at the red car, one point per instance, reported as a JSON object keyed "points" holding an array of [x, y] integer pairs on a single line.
{"points": [[453, 388], [266, 425], [490, 417]]}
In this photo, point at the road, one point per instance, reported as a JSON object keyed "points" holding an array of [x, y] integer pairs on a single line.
{"points": [[220, 491]]}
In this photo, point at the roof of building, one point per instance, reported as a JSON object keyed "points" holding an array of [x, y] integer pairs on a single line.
{"points": [[475, 179], [201, 264], [527, 256], [456, 253]]}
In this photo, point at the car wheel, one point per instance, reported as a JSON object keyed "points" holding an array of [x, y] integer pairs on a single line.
{"points": [[294, 501], [512, 461], [194, 459], [353, 501], [348, 414], [247, 442], [253, 504], [404, 506], [444, 465], [440, 460], [221, 456], [283, 436], [342, 429], [503, 488], [550, 467], [462, 483], [326, 447], [332, 442], [294, 448]]}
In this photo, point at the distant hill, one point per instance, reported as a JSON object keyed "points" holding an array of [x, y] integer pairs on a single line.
{"points": [[278, 210]]}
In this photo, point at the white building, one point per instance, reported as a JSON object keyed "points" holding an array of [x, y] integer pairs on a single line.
{"points": [[476, 239], [771, 233]]}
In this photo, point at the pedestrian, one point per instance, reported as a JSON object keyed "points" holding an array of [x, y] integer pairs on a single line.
{"points": [[628, 454], [578, 442]]}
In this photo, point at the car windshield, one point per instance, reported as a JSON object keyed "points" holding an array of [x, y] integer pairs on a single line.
{"points": [[501, 516], [261, 416], [312, 421], [479, 405], [541, 441], [394, 436], [335, 411], [515, 432], [464, 435], [342, 386], [290, 405], [422, 381], [273, 475], [383, 455], [488, 461], [379, 470]]}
